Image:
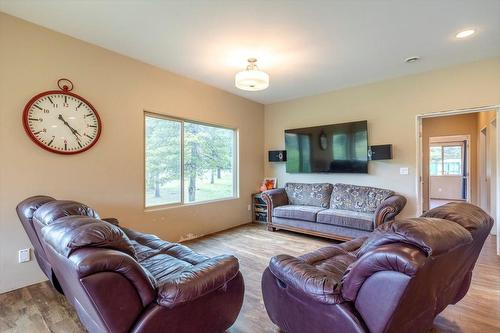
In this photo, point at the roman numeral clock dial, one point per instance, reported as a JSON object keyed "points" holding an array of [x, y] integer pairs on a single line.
{"points": [[62, 122]]}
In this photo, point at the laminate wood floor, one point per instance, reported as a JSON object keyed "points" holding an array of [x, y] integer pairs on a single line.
{"points": [[39, 308]]}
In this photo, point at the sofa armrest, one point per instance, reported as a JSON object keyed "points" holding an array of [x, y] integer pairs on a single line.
{"points": [[395, 257], [90, 261], [197, 280], [389, 209], [307, 279], [274, 198]]}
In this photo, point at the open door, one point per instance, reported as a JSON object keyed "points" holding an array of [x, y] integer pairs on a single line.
{"points": [[448, 170]]}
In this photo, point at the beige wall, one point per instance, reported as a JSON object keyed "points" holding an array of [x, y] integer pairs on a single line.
{"points": [[391, 108], [465, 124], [109, 177]]}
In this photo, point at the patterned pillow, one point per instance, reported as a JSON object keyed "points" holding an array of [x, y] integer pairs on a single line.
{"points": [[363, 199], [309, 194]]}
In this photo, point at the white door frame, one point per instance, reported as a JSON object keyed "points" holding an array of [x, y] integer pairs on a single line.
{"points": [[419, 166], [482, 199]]}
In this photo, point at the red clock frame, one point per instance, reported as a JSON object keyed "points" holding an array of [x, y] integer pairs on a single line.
{"points": [[64, 91]]}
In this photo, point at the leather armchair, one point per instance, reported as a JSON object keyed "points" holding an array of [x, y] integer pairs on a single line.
{"points": [[395, 280], [121, 280]]}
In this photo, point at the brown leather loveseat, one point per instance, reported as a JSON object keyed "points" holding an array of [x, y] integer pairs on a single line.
{"points": [[396, 280], [120, 280]]}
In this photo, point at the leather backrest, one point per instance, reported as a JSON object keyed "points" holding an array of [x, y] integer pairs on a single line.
{"points": [[53, 210], [74, 232], [25, 211], [432, 236], [467, 215]]}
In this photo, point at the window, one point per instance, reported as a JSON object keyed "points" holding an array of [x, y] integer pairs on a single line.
{"points": [[446, 160], [188, 162]]}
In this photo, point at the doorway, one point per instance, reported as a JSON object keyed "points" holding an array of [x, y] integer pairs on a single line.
{"points": [[449, 170], [477, 158]]}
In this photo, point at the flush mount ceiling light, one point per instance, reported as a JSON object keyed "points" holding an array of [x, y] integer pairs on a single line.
{"points": [[465, 33], [251, 79]]}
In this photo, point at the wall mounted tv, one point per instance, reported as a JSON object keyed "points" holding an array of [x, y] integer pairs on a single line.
{"points": [[337, 148]]}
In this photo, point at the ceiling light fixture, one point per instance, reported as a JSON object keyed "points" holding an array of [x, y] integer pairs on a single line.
{"points": [[251, 79], [465, 33], [412, 59]]}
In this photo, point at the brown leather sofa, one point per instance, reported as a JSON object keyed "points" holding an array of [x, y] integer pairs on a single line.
{"points": [[120, 280], [396, 280]]}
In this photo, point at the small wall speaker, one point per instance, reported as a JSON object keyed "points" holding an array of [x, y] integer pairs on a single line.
{"points": [[380, 152], [277, 156]]}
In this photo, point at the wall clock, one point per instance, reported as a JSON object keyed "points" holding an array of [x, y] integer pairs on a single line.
{"points": [[62, 122]]}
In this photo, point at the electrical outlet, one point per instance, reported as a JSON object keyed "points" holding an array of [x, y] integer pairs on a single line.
{"points": [[403, 171], [24, 255], [249, 207]]}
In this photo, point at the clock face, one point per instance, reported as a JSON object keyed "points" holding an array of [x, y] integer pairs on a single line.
{"points": [[62, 122]]}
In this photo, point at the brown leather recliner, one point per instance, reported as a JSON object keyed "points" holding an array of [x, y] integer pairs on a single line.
{"points": [[120, 280], [396, 280], [25, 210]]}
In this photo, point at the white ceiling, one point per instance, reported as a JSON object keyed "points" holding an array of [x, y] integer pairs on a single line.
{"points": [[308, 47]]}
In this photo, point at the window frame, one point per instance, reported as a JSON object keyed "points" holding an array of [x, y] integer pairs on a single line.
{"points": [[442, 146], [182, 202]]}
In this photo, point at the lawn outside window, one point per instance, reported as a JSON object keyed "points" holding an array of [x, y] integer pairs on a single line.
{"points": [[188, 162]]}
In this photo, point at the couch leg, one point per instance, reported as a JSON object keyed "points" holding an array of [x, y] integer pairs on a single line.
{"points": [[270, 228]]}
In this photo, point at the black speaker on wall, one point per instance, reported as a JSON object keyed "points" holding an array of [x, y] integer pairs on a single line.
{"points": [[380, 152], [277, 156]]}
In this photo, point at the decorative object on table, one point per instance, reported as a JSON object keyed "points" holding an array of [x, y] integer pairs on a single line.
{"points": [[269, 184], [259, 208], [277, 156], [62, 122]]}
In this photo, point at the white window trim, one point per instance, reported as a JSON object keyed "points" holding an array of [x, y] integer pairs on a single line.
{"points": [[442, 145], [182, 203]]}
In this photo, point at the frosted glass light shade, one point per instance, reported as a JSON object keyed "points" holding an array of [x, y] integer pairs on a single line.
{"points": [[251, 80]]}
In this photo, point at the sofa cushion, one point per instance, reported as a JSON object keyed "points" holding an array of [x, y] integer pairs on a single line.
{"points": [[318, 273], [297, 212], [197, 280], [363, 199], [309, 194], [346, 218]]}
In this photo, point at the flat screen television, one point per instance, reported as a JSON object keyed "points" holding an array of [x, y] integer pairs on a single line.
{"points": [[337, 148]]}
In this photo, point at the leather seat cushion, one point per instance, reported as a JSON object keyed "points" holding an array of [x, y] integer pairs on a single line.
{"points": [[336, 258], [346, 218], [297, 212]]}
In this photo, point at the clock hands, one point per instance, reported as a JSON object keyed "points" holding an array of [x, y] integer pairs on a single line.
{"points": [[74, 131]]}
